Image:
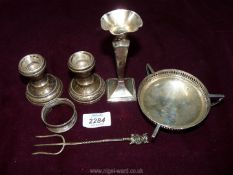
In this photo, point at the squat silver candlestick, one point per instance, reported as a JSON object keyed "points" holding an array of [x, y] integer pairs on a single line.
{"points": [[120, 22], [42, 87], [86, 87]]}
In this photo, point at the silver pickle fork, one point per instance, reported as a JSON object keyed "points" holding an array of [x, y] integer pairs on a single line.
{"points": [[133, 139]]}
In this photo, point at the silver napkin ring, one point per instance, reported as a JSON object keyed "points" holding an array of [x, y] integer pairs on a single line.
{"points": [[60, 127]]}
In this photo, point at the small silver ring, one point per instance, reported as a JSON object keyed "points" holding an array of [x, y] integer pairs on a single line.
{"points": [[60, 127]]}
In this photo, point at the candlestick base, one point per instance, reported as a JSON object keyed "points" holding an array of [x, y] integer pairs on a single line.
{"points": [[121, 90], [40, 93], [87, 94]]}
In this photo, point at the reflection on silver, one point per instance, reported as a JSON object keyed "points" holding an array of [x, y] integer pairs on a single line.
{"points": [[121, 21]]}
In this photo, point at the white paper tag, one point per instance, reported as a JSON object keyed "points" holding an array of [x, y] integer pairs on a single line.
{"points": [[95, 120]]}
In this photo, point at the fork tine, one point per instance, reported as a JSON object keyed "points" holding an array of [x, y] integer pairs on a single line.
{"points": [[49, 144], [46, 153], [47, 136], [62, 144]]}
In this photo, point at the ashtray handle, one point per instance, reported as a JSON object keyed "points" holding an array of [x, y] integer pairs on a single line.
{"points": [[149, 69], [216, 98]]}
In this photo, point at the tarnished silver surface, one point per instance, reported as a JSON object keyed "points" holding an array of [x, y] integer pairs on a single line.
{"points": [[173, 99], [121, 90], [85, 87], [42, 87], [61, 127], [120, 22], [134, 139], [139, 139]]}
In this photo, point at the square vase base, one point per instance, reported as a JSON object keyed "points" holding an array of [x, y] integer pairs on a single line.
{"points": [[121, 90]]}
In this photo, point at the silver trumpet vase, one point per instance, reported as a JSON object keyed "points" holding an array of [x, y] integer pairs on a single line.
{"points": [[120, 22]]}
